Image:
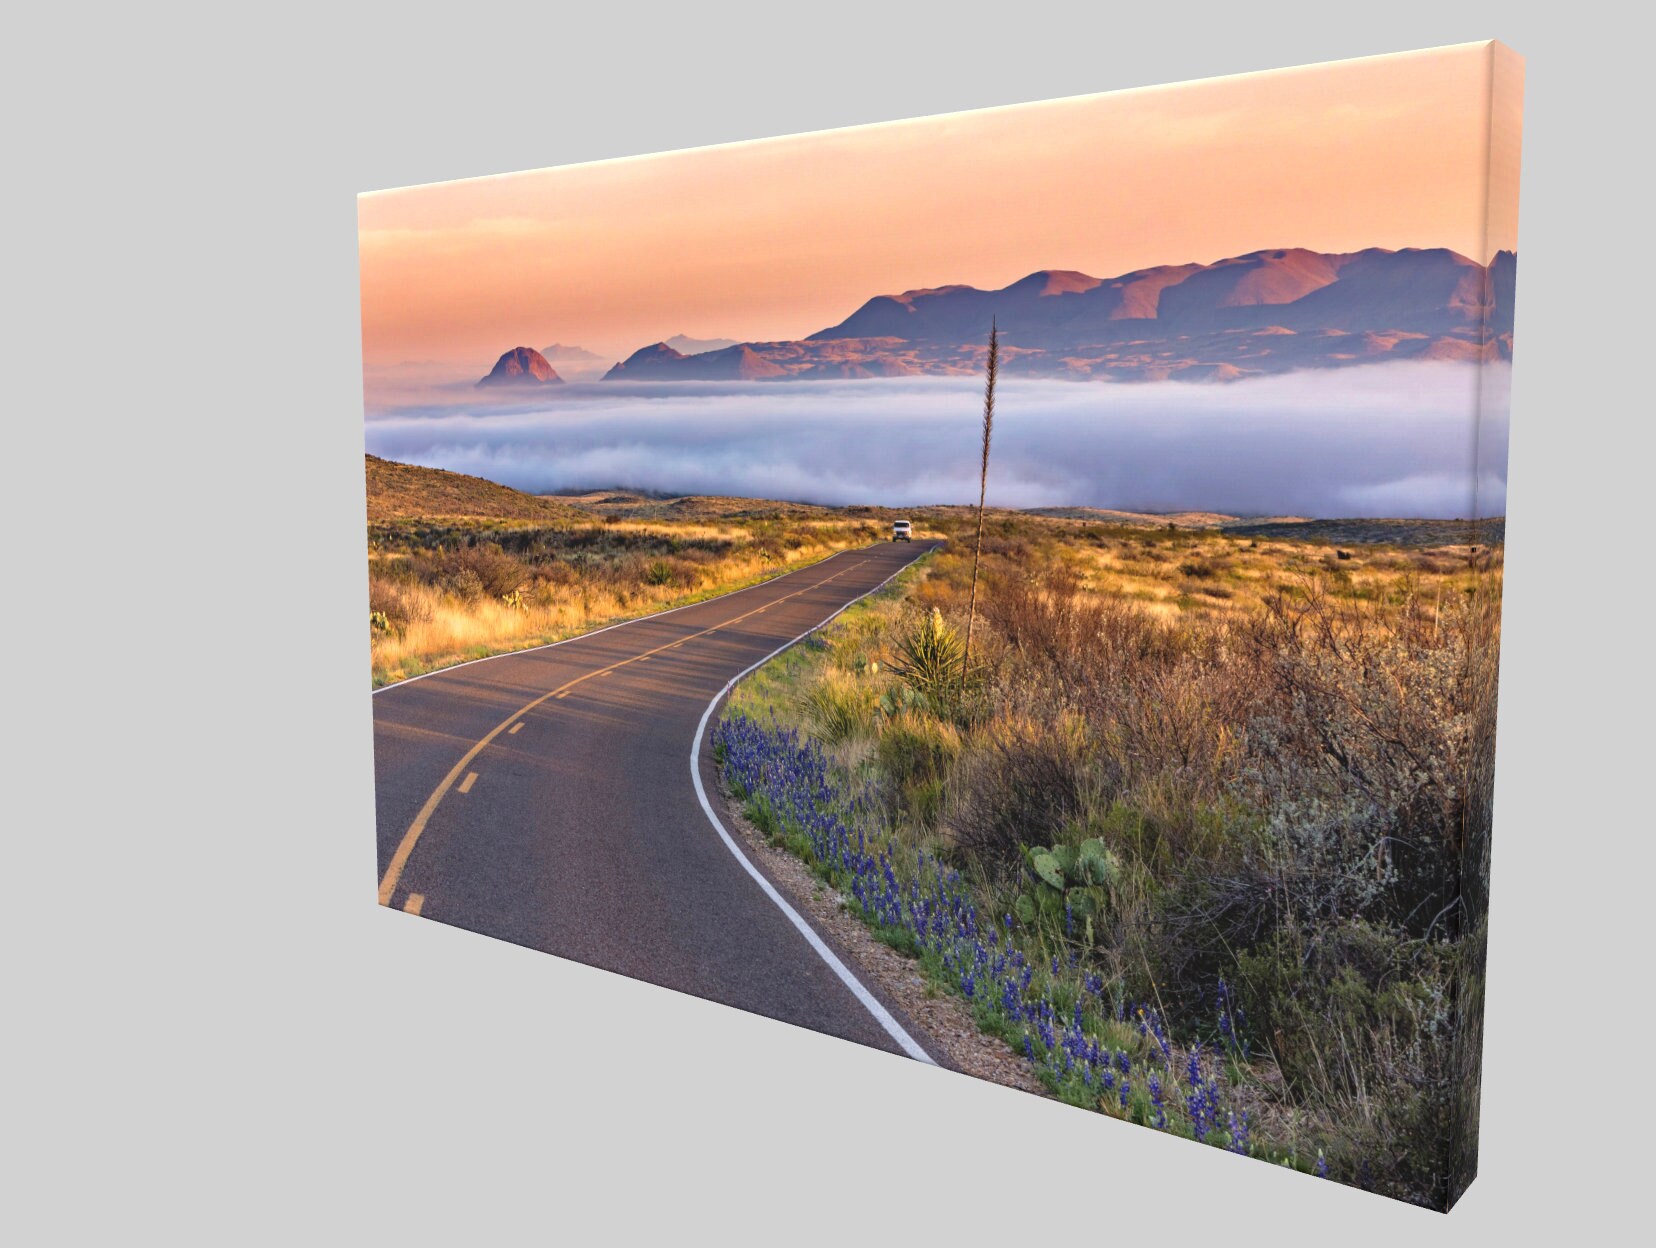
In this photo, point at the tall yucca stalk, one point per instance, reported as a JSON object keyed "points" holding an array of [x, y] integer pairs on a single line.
{"points": [[983, 487]]}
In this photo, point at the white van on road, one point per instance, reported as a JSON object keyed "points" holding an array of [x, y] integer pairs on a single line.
{"points": [[902, 531]]}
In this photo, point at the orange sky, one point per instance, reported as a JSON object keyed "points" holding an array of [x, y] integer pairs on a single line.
{"points": [[778, 238]]}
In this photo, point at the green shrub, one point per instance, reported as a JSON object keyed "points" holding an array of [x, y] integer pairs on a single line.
{"points": [[915, 752], [1360, 1020], [838, 708]]}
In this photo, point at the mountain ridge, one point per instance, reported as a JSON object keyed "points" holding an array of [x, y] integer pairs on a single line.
{"points": [[1267, 311]]}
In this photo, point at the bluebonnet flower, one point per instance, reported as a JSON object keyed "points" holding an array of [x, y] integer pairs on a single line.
{"points": [[1160, 1119], [1239, 1132]]}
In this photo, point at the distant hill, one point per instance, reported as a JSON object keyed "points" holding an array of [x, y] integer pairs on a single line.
{"points": [[408, 492], [695, 346], [661, 362], [522, 366], [1265, 312], [1490, 532], [1157, 519], [558, 353], [576, 363], [641, 505]]}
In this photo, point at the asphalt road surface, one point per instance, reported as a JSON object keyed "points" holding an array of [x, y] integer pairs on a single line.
{"points": [[547, 798]]}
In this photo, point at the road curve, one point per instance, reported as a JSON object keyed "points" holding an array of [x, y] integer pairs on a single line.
{"points": [[546, 798]]}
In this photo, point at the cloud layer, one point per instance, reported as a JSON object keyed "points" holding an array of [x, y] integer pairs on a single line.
{"points": [[1382, 440]]}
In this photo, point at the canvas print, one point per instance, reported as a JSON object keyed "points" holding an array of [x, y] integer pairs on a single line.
{"points": [[1016, 589]]}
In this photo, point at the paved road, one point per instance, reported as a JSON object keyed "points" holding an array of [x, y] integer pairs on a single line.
{"points": [[546, 798]]}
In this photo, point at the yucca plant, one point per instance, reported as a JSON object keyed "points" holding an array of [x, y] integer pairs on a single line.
{"points": [[930, 661]]}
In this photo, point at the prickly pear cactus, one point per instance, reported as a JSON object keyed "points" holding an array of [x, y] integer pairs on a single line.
{"points": [[1068, 884]]}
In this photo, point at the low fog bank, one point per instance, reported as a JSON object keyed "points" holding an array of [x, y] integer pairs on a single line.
{"points": [[1380, 440]]}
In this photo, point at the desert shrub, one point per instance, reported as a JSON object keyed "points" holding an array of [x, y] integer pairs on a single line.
{"points": [[1358, 1020], [400, 602], [915, 752], [658, 572], [1360, 755], [1006, 546], [838, 708], [479, 570], [1023, 784], [464, 584]]}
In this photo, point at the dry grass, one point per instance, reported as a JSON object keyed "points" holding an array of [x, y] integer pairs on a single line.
{"points": [[460, 567], [466, 593]]}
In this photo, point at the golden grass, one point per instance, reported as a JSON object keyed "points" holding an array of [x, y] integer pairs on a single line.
{"points": [[436, 628]]}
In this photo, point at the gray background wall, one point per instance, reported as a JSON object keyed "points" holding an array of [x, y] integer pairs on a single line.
{"points": [[215, 1031]]}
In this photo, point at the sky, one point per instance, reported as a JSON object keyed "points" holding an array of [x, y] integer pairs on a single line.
{"points": [[778, 238]]}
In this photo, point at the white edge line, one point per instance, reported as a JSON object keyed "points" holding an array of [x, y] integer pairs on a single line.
{"points": [[637, 619], [869, 1002]]}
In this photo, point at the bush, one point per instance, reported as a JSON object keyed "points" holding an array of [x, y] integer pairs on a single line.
{"points": [[1360, 754], [915, 752], [838, 708], [480, 570], [398, 603], [1022, 785], [1359, 1020], [464, 584]]}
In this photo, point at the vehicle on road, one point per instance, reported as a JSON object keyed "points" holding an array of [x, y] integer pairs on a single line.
{"points": [[902, 531]]}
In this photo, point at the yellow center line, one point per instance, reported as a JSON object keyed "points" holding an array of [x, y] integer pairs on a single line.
{"points": [[399, 860], [414, 903], [517, 727], [466, 784]]}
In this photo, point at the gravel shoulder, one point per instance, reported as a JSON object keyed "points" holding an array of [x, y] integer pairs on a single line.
{"points": [[949, 1032]]}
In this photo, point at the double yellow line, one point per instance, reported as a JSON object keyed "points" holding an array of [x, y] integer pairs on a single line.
{"points": [[410, 838]]}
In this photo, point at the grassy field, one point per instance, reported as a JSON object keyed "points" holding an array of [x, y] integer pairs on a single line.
{"points": [[460, 568], [1202, 829]]}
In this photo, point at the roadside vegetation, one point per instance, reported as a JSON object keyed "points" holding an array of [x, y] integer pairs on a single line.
{"points": [[1202, 833], [460, 568]]}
